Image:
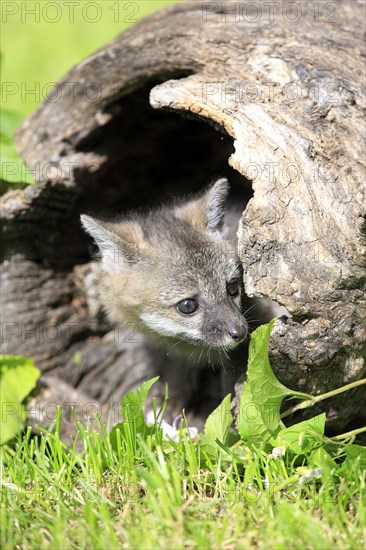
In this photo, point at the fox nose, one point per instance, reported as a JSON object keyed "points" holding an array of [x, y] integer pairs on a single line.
{"points": [[237, 330]]}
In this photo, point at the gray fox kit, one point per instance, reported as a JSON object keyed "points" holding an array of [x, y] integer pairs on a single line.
{"points": [[175, 273]]}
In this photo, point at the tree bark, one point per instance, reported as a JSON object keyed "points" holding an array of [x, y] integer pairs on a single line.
{"points": [[283, 83]]}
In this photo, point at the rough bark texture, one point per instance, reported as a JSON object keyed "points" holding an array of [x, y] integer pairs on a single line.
{"points": [[290, 95]]}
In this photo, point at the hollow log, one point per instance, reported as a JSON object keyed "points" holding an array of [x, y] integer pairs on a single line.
{"points": [[270, 95]]}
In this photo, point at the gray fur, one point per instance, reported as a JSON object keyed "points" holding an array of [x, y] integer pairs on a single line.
{"points": [[216, 205], [178, 252]]}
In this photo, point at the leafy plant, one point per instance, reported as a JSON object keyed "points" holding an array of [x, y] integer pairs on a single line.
{"points": [[18, 377], [133, 417], [260, 402], [218, 428], [148, 489], [259, 423]]}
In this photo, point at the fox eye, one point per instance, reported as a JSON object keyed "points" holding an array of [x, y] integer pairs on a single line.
{"points": [[232, 288], [187, 306]]}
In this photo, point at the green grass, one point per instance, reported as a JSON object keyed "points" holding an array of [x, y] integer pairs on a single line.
{"points": [[134, 487], [167, 495]]}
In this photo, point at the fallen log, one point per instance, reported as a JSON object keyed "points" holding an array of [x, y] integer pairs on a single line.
{"points": [[283, 85]]}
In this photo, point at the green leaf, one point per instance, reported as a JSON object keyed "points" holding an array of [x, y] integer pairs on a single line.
{"points": [[355, 453], [12, 168], [133, 403], [132, 410], [260, 401], [13, 413], [219, 422], [320, 458], [303, 437], [217, 427], [18, 377]]}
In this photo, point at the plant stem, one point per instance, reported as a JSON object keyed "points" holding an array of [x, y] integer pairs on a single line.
{"points": [[349, 434], [310, 402]]}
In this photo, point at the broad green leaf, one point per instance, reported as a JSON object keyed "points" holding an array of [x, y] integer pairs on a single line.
{"points": [[13, 413], [12, 169], [219, 422], [320, 458], [18, 377], [20, 373], [260, 401], [217, 427], [302, 437]]}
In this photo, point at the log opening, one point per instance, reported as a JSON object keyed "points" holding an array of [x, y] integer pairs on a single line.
{"points": [[302, 239]]}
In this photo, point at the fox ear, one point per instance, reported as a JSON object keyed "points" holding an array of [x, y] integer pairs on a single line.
{"points": [[207, 212], [119, 243]]}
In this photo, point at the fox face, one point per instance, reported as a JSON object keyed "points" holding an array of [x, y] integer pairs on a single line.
{"points": [[172, 272]]}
